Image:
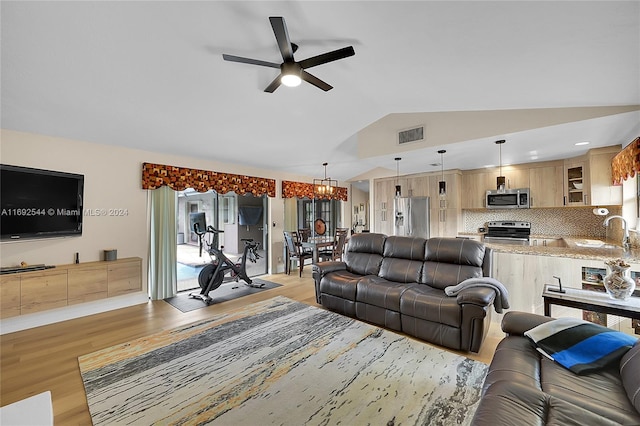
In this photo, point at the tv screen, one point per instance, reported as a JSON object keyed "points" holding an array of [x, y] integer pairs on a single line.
{"points": [[39, 203]]}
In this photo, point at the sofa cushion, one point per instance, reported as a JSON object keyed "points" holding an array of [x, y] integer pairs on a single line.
{"points": [[449, 261], [364, 253], [600, 392], [400, 270], [506, 403], [340, 283], [579, 345], [411, 248], [630, 373], [430, 304], [379, 292]]}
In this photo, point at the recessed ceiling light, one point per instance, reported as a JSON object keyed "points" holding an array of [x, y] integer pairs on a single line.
{"points": [[582, 143]]}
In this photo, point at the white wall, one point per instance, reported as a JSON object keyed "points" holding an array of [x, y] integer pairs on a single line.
{"points": [[113, 177]]}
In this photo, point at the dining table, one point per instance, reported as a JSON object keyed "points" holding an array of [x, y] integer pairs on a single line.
{"points": [[317, 243]]}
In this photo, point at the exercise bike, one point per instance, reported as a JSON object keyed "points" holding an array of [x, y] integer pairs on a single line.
{"points": [[212, 275]]}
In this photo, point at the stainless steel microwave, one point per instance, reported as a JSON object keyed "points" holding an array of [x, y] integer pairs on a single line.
{"points": [[508, 199]]}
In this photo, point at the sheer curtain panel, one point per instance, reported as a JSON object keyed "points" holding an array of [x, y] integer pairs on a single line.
{"points": [[163, 243]]}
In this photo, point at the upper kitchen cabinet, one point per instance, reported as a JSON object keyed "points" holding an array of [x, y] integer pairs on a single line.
{"points": [[515, 177], [452, 197], [588, 181], [547, 185], [475, 184], [576, 183], [600, 178]]}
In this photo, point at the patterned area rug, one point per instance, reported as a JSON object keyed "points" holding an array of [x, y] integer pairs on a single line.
{"points": [[227, 291], [280, 362]]}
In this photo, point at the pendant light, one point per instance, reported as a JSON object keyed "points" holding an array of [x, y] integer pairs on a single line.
{"points": [[442, 185], [500, 180], [326, 186], [398, 188]]}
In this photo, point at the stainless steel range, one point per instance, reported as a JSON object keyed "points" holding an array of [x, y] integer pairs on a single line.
{"points": [[508, 232]]}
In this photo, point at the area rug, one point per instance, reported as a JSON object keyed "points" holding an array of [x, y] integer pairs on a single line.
{"points": [[280, 362], [227, 291]]}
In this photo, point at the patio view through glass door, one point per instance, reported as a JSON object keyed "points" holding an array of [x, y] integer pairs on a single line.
{"points": [[226, 212]]}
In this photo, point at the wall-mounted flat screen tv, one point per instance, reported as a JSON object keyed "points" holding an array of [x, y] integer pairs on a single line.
{"points": [[39, 203]]}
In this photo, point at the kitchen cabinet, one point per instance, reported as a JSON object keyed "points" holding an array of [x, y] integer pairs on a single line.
{"points": [[524, 276], [419, 186], [452, 197], [576, 183], [445, 215], [515, 177], [383, 201], [474, 188], [600, 178], [547, 186]]}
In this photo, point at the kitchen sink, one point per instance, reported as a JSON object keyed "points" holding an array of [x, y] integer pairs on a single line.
{"points": [[595, 244], [549, 242]]}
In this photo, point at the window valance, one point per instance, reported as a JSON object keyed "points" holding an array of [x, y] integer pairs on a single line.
{"points": [[626, 163], [179, 178], [305, 190]]}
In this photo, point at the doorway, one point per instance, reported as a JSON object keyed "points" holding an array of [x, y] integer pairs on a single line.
{"points": [[228, 213]]}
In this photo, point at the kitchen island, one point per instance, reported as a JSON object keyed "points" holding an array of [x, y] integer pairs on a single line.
{"points": [[525, 270]]}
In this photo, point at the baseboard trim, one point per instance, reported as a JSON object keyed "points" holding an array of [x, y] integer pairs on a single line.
{"points": [[25, 322]]}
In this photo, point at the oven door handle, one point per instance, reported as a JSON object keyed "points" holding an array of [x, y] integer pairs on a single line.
{"points": [[505, 238]]}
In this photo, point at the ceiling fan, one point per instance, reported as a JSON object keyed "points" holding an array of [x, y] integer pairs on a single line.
{"points": [[292, 72]]}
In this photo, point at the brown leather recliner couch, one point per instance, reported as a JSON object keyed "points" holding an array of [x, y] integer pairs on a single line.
{"points": [[523, 387], [398, 283]]}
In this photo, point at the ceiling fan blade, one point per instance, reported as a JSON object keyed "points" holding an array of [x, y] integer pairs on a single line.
{"points": [[274, 85], [345, 52], [315, 81], [233, 58], [282, 37]]}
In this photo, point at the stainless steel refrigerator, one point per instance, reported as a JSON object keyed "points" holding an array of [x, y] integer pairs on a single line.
{"points": [[411, 216]]}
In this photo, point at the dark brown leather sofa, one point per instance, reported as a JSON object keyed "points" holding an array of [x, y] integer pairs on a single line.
{"points": [[398, 283], [523, 387]]}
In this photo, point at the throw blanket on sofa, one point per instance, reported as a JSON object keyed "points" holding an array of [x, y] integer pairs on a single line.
{"points": [[502, 295], [579, 345]]}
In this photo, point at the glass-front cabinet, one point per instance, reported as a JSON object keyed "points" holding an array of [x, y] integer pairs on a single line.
{"points": [[576, 184]]}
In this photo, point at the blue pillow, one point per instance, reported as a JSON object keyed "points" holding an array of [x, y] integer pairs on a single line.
{"points": [[580, 346]]}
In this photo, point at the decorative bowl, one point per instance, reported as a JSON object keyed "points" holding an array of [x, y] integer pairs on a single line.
{"points": [[577, 185]]}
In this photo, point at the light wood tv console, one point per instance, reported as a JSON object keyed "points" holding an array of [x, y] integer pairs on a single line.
{"points": [[28, 292]]}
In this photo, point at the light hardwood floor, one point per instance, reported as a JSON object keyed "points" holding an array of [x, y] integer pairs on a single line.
{"points": [[45, 358]]}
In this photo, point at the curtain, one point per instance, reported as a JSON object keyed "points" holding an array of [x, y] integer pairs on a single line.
{"points": [[163, 280]]}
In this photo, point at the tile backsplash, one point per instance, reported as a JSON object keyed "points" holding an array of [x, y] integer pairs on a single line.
{"points": [[572, 221]]}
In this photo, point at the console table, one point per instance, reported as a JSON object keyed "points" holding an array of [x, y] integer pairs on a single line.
{"points": [[590, 301], [35, 291]]}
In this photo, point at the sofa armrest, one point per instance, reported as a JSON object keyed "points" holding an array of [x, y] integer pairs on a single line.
{"points": [[323, 268], [516, 323], [481, 296]]}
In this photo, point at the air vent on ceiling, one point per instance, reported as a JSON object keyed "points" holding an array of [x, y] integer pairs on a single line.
{"points": [[411, 135]]}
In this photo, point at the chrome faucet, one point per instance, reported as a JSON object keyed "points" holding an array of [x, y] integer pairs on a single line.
{"points": [[625, 238]]}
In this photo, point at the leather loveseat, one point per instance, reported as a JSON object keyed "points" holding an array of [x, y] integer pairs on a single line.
{"points": [[398, 283], [523, 387]]}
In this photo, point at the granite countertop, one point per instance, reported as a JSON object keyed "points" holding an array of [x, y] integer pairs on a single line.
{"points": [[572, 250]]}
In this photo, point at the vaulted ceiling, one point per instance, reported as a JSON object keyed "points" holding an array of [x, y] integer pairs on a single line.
{"points": [[150, 75]]}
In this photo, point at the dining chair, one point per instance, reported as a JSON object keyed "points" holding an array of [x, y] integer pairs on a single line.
{"points": [[304, 233], [337, 249], [294, 252]]}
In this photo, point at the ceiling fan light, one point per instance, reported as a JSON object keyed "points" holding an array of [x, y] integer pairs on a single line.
{"points": [[291, 73], [291, 80]]}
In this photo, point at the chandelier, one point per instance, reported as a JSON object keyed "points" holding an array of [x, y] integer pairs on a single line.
{"points": [[326, 186]]}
